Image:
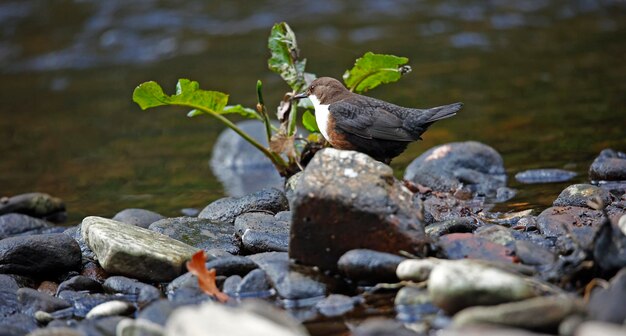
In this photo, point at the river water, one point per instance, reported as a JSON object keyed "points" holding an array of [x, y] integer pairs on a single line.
{"points": [[543, 82]]}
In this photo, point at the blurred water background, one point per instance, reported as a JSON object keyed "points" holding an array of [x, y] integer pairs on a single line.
{"points": [[543, 82]]}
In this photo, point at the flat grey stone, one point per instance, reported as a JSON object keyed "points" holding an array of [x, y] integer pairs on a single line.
{"points": [[135, 252]]}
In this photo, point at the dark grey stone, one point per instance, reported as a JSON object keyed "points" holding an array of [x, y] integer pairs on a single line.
{"points": [[369, 266], [286, 279], [76, 233], [607, 304], [258, 241], [158, 311], [531, 253], [14, 224], [239, 166], [138, 217], [262, 232], [450, 166], [610, 165], [8, 295], [42, 255], [231, 284], [232, 265], [201, 233], [225, 210], [30, 301], [80, 283], [254, 282], [105, 326], [33, 204], [17, 325], [335, 305], [83, 302], [580, 194], [119, 284]]}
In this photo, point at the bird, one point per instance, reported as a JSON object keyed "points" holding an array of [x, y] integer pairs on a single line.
{"points": [[382, 130]]}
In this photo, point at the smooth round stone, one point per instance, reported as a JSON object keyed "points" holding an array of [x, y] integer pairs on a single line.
{"points": [[111, 308], [138, 217]]}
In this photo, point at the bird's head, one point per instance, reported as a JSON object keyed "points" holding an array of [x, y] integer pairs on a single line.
{"points": [[325, 90]]}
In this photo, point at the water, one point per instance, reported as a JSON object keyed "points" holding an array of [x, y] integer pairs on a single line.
{"points": [[542, 82]]}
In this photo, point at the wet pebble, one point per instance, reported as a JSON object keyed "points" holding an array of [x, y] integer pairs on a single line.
{"points": [[8, 295], [44, 255], [450, 166], [144, 293], [138, 217], [455, 225], [467, 245], [336, 305], [225, 210], [541, 313], [31, 301], [231, 284], [17, 325], [254, 283], [135, 252], [417, 270], [262, 232], [607, 304], [610, 165], [455, 285], [544, 176], [35, 204], [157, 312], [111, 308], [80, 283], [286, 280], [531, 253], [14, 224], [581, 194], [369, 266], [580, 223], [200, 233], [231, 265]]}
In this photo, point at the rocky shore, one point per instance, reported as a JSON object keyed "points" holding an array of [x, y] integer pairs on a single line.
{"points": [[344, 248]]}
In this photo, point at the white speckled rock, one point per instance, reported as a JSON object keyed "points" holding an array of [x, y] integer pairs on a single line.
{"points": [[133, 251]]}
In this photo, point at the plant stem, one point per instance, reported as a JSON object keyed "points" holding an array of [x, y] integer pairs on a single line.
{"points": [[293, 114], [263, 111], [276, 159]]}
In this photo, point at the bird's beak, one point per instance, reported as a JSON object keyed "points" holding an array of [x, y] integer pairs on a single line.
{"points": [[300, 95]]}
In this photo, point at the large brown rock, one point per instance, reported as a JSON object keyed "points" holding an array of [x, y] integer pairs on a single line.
{"points": [[346, 200]]}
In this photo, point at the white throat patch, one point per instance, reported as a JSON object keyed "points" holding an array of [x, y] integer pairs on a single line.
{"points": [[321, 115]]}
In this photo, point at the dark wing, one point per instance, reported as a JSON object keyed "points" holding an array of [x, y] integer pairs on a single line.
{"points": [[369, 120]]}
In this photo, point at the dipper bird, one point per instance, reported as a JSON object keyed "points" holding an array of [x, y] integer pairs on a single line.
{"points": [[380, 129]]}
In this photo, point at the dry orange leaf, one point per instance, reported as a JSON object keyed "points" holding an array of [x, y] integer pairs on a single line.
{"points": [[206, 278]]}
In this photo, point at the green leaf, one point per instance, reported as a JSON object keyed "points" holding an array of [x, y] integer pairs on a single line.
{"points": [[309, 122], [284, 56], [372, 70], [241, 110], [188, 93]]}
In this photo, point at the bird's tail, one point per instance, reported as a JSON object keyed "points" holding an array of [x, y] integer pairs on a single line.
{"points": [[442, 112]]}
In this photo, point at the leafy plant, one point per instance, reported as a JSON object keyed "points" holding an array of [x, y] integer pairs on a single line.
{"points": [[286, 150]]}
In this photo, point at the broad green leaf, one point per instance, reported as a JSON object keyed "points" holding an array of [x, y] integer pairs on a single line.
{"points": [[188, 93], [241, 110], [309, 122], [284, 56], [372, 70]]}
